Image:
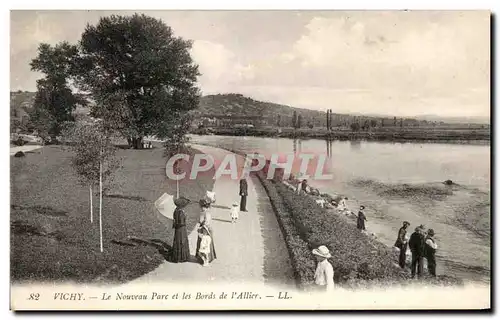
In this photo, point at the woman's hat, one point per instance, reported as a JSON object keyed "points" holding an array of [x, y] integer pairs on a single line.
{"points": [[406, 222], [362, 207], [235, 204], [322, 251], [430, 232], [181, 202], [420, 227]]}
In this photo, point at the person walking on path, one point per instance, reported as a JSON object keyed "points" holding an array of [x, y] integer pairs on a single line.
{"points": [[234, 212], [430, 252], [323, 277], [417, 248], [205, 248], [180, 246], [402, 243], [361, 219], [243, 194]]}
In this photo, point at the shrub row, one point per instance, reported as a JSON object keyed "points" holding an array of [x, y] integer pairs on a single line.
{"points": [[355, 256], [303, 262]]}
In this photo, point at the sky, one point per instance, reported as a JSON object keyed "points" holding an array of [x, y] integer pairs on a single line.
{"points": [[402, 63]]}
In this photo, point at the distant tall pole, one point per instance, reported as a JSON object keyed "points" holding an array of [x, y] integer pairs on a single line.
{"points": [[327, 119], [330, 119]]}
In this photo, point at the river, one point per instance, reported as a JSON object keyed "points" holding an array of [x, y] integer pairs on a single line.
{"points": [[403, 181]]}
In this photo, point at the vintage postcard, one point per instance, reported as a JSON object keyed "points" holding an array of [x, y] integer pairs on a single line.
{"points": [[250, 160]]}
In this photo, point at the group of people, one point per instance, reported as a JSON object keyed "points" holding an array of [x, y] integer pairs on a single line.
{"points": [[205, 247], [422, 245]]}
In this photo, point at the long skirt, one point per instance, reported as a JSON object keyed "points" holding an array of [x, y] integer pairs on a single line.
{"points": [[180, 247], [243, 203], [211, 256]]}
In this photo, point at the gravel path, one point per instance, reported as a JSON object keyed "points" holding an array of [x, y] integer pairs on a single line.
{"points": [[241, 248]]}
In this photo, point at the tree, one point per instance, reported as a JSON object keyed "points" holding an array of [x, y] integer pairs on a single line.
{"points": [[395, 122], [328, 119], [299, 121], [140, 75], [294, 120], [366, 125], [355, 126], [401, 122], [94, 159], [373, 123], [278, 122], [54, 100]]}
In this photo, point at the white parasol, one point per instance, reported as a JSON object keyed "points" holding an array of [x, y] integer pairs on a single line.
{"points": [[165, 205]]}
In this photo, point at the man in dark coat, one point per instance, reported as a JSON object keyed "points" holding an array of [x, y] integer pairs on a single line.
{"points": [[243, 194], [361, 219], [417, 247], [402, 244], [304, 186], [430, 252]]}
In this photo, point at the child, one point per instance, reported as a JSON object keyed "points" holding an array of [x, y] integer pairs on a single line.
{"points": [[205, 245], [234, 212]]}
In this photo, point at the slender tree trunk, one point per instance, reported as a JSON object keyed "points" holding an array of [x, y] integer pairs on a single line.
{"points": [[100, 205], [91, 206], [177, 182]]}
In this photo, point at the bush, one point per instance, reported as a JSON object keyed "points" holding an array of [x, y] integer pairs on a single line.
{"points": [[19, 154], [303, 261], [354, 254], [19, 142]]}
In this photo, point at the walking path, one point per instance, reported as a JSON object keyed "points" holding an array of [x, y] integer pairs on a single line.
{"points": [[25, 148], [239, 247]]}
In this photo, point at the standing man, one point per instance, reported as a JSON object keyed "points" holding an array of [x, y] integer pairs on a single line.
{"points": [[417, 247], [304, 186], [402, 244], [430, 252], [243, 194], [361, 219]]}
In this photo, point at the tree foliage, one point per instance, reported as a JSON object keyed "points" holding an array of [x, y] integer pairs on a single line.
{"points": [[92, 145], [140, 75], [54, 100]]}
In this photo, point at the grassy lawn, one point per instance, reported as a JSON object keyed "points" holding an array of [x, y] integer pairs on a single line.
{"points": [[52, 238]]}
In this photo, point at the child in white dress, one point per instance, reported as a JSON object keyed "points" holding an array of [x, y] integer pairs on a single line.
{"points": [[205, 245], [235, 211]]}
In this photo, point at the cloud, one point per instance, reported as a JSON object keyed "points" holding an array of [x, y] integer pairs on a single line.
{"points": [[218, 65], [385, 62]]}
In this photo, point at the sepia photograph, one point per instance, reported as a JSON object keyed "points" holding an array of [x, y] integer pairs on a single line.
{"points": [[250, 160]]}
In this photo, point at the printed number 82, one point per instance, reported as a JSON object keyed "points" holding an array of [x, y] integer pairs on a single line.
{"points": [[34, 296]]}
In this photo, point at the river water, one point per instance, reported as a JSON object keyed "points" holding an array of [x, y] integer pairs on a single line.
{"points": [[403, 181]]}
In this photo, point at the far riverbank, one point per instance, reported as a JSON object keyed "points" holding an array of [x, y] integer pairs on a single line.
{"points": [[437, 135]]}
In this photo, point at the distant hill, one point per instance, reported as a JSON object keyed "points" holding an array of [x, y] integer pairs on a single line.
{"points": [[239, 105]]}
